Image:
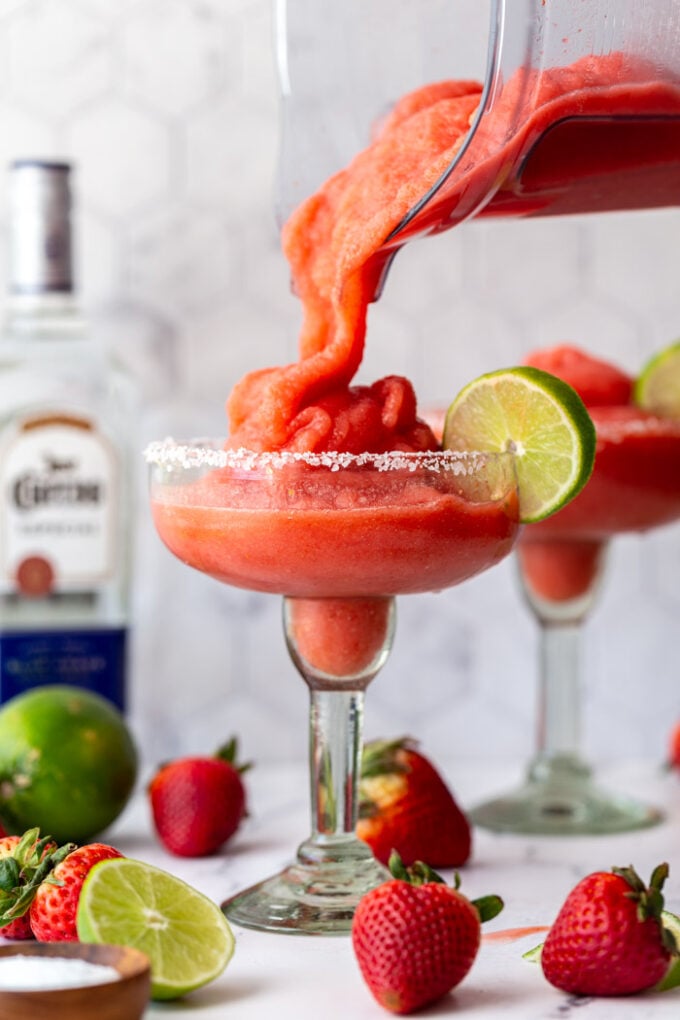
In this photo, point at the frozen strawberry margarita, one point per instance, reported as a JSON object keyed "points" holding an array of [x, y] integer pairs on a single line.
{"points": [[337, 241], [337, 495], [344, 537], [398, 540], [635, 484]]}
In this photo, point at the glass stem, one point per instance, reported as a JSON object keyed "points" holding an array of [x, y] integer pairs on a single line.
{"points": [[338, 646], [336, 723], [559, 715]]}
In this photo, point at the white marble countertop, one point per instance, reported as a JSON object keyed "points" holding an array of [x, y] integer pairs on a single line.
{"points": [[304, 977]]}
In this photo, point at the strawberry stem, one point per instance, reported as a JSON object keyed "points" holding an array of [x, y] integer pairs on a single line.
{"points": [[229, 752], [649, 900], [420, 873], [379, 757]]}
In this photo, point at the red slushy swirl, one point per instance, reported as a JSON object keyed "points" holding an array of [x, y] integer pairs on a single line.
{"points": [[336, 243]]}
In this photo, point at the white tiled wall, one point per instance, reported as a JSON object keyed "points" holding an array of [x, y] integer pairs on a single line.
{"points": [[170, 110]]}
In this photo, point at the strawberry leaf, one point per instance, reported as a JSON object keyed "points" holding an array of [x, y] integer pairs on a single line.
{"points": [[380, 757], [397, 867], [659, 876], [229, 752], [35, 860], [650, 900], [9, 874], [418, 874], [488, 907]]}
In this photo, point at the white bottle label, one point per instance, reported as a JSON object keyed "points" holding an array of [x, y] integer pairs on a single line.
{"points": [[58, 480]]}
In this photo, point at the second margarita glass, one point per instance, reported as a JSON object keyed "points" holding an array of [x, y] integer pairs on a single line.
{"points": [[635, 486], [339, 536]]}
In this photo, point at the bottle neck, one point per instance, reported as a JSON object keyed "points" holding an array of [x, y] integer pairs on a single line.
{"points": [[41, 303], [40, 319]]}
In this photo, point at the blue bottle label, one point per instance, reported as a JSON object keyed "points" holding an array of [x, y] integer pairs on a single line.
{"points": [[92, 659]]}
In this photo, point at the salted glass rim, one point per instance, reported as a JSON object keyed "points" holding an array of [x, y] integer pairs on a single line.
{"points": [[211, 453]]}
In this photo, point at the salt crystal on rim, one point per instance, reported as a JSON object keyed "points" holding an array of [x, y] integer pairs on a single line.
{"points": [[169, 453]]}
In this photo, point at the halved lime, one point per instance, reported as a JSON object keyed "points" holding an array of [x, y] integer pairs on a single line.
{"points": [[541, 419], [657, 388], [185, 935]]}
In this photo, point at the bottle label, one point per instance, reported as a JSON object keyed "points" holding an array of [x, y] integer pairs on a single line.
{"points": [[91, 659], [58, 482]]}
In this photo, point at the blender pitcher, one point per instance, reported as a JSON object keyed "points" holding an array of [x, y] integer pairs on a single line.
{"points": [[579, 108]]}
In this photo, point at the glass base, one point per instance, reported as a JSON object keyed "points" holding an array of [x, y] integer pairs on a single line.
{"points": [[562, 805], [307, 898]]}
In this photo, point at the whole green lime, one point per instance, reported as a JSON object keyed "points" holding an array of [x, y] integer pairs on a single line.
{"points": [[68, 763]]}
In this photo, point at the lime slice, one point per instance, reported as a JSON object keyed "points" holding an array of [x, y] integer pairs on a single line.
{"points": [[541, 419], [657, 388], [672, 976], [533, 955], [185, 935]]}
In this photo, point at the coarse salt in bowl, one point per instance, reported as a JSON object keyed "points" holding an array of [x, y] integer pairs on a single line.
{"points": [[23, 972], [73, 981]]}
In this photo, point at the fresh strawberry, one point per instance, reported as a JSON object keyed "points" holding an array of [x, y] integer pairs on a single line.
{"points": [[674, 748], [406, 806], [52, 913], [197, 803], [20, 859], [415, 937], [608, 938]]}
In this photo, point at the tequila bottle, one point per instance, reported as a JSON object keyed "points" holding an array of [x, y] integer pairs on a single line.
{"points": [[67, 416]]}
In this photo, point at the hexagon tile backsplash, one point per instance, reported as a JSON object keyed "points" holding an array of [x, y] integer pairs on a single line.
{"points": [[170, 111]]}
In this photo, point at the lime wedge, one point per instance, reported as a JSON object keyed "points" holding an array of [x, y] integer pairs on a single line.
{"points": [[533, 955], [185, 935], [541, 419], [672, 976], [657, 388]]}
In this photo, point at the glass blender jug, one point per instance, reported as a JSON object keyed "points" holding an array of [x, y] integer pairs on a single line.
{"points": [[579, 109]]}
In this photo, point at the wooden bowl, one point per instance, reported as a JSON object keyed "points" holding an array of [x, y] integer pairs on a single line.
{"points": [[124, 999]]}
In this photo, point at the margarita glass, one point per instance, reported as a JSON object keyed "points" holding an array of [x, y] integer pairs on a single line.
{"points": [[338, 535], [635, 486]]}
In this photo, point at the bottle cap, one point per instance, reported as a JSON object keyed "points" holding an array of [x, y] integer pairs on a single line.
{"points": [[40, 227]]}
